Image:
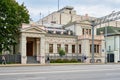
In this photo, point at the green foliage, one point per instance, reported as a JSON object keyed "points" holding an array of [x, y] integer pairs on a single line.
{"points": [[12, 15], [64, 61], [61, 52], [73, 60]]}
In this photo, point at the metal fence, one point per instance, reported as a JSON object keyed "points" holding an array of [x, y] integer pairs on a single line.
{"points": [[15, 58]]}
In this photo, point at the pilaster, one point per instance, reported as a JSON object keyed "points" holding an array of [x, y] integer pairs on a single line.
{"points": [[55, 48], [63, 46], [85, 47], [69, 48]]}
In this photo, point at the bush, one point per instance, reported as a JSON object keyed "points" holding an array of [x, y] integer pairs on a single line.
{"points": [[63, 61], [52, 61], [61, 52], [73, 60], [56, 61], [59, 61], [66, 61]]}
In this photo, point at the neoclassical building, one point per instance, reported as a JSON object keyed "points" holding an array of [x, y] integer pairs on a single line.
{"points": [[40, 41]]}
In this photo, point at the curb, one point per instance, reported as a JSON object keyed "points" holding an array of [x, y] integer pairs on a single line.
{"points": [[51, 64]]}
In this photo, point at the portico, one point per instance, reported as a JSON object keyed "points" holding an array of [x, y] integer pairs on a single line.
{"points": [[32, 43]]}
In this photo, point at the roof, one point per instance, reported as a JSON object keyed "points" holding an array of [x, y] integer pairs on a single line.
{"points": [[82, 23], [53, 25], [110, 30], [67, 7]]}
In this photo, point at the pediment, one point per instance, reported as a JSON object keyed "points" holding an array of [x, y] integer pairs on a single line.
{"points": [[85, 22], [33, 30]]}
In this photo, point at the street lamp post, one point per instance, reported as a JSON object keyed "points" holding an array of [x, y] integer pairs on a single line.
{"points": [[93, 25], [105, 45]]}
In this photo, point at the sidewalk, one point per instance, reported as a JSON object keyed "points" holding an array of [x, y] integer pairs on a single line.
{"points": [[20, 65], [48, 64]]}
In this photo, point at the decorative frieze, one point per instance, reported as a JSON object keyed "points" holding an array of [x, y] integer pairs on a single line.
{"points": [[60, 40], [33, 35]]}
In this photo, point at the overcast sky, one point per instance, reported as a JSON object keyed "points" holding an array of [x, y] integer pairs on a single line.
{"points": [[95, 8]]}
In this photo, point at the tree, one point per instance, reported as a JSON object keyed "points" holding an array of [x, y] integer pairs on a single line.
{"points": [[61, 52], [12, 15]]}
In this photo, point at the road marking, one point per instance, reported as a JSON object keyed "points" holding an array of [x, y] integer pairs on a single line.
{"points": [[61, 71]]}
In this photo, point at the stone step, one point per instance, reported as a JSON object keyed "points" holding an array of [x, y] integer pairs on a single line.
{"points": [[31, 59]]}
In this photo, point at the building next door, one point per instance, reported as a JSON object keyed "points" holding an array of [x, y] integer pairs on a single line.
{"points": [[110, 57], [29, 48]]}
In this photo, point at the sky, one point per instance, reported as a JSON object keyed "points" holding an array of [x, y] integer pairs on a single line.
{"points": [[95, 8]]}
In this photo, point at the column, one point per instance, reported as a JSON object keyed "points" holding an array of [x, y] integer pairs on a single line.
{"points": [[38, 49], [23, 49], [42, 50]]}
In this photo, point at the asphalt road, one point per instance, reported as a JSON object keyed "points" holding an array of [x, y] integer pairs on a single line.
{"points": [[64, 72]]}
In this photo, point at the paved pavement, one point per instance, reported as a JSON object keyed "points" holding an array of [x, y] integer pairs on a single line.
{"points": [[63, 72], [52, 64], [47, 64]]}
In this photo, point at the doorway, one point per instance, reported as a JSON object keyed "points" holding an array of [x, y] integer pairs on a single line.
{"points": [[110, 57], [29, 48]]}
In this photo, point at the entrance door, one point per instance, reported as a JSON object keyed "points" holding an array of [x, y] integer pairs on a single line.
{"points": [[30, 48], [110, 57]]}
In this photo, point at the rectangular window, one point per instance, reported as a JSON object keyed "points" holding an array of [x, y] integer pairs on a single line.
{"points": [[66, 48], [83, 31], [58, 47], [89, 31], [50, 48], [97, 48], [90, 48], [73, 48], [80, 48]]}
